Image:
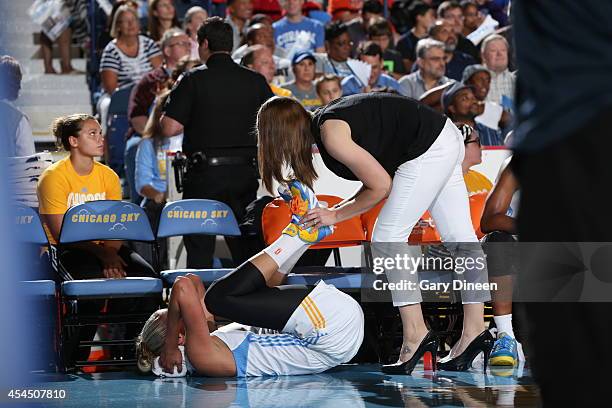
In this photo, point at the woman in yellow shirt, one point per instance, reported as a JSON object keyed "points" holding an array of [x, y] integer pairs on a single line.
{"points": [[74, 180]]}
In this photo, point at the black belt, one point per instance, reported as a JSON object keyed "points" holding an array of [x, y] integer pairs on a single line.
{"points": [[199, 160], [229, 160]]}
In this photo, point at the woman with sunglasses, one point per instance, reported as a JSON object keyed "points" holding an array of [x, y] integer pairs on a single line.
{"points": [[402, 151]]}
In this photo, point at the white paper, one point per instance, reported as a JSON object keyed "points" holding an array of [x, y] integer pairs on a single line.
{"points": [[487, 27], [361, 70]]}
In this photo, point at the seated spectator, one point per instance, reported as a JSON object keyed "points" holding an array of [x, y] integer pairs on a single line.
{"points": [[493, 114], [295, 33], [259, 59], [302, 87], [358, 27], [421, 17], [263, 34], [379, 32], [461, 106], [456, 61], [432, 65], [338, 48], [194, 18], [370, 53], [495, 58], [74, 180], [105, 36], [15, 132], [472, 17], [127, 58], [239, 13], [258, 33], [161, 18], [175, 45], [329, 88], [451, 12], [150, 173]]}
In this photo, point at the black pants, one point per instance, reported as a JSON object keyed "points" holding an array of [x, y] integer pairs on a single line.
{"points": [[235, 186], [79, 264], [242, 296], [563, 190]]}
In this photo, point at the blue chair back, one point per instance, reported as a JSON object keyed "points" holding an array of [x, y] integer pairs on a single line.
{"points": [[197, 216], [119, 101], [115, 140], [105, 220], [28, 226]]}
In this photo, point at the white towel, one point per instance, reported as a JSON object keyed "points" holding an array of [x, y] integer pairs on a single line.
{"points": [[159, 371]]}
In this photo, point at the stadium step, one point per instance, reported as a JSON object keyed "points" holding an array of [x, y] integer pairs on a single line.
{"points": [[43, 97]]}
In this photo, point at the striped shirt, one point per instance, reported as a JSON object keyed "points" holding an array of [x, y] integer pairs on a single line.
{"points": [[129, 69], [488, 136], [502, 84]]}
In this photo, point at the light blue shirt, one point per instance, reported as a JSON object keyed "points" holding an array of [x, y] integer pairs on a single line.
{"points": [[352, 86], [307, 35], [148, 163]]}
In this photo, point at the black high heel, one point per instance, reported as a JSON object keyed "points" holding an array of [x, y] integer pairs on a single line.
{"points": [[427, 349], [484, 342]]}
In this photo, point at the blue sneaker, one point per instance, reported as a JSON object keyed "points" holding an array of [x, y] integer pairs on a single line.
{"points": [[504, 351], [300, 199]]}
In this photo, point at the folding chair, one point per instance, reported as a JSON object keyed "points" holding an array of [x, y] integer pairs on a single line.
{"points": [[40, 295], [105, 220], [276, 215], [196, 217]]}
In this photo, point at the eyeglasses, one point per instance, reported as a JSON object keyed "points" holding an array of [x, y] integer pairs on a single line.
{"points": [[343, 43], [474, 140]]}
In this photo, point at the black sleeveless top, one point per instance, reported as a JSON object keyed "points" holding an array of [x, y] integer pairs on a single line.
{"points": [[392, 128]]}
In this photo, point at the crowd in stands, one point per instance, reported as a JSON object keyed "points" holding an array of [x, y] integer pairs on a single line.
{"points": [[425, 50]]}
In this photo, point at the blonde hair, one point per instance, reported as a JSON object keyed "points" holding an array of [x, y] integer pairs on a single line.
{"points": [[150, 341], [284, 139], [120, 11]]}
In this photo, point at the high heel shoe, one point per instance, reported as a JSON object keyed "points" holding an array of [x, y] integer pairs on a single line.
{"points": [[427, 349], [484, 342]]}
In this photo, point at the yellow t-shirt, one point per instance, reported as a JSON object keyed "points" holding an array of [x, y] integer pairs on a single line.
{"points": [[278, 91], [61, 187], [477, 183]]}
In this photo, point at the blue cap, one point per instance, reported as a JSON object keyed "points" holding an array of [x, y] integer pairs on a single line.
{"points": [[301, 56], [450, 93]]}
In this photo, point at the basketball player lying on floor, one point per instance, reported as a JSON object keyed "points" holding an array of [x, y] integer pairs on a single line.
{"points": [[319, 328]]}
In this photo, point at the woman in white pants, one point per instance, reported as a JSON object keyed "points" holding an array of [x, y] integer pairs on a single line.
{"points": [[400, 150]]}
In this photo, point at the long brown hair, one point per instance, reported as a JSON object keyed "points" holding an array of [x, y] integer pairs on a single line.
{"points": [[284, 140], [154, 25], [152, 128]]}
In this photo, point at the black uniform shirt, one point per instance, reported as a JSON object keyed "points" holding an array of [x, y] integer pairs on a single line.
{"points": [[392, 128], [218, 106]]}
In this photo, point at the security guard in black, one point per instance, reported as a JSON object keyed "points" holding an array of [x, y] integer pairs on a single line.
{"points": [[217, 107]]}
